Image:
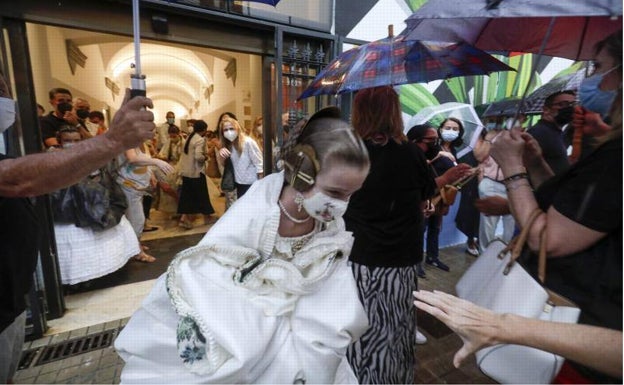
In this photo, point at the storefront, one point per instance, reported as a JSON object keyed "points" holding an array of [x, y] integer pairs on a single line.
{"points": [[205, 57]]}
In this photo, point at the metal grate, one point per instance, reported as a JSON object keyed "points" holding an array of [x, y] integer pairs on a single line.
{"points": [[27, 358], [76, 346]]}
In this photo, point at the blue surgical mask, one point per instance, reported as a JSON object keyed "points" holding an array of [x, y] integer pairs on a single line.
{"points": [[593, 98], [171, 120]]}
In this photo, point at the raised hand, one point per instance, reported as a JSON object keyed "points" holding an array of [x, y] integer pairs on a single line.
{"points": [[476, 326], [132, 124]]}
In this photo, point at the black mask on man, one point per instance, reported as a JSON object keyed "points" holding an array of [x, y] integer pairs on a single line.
{"points": [[82, 113], [564, 116], [64, 107]]}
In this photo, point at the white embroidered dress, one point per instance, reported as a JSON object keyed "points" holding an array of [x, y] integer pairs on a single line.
{"points": [[241, 308]]}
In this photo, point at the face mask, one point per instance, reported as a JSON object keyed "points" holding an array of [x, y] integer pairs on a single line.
{"points": [[259, 130], [171, 120], [230, 135], [593, 98], [449, 135], [82, 113], [68, 145], [324, 208], [564, 116], [92, 127], [432, 151], [64, 107], [7, 113]]}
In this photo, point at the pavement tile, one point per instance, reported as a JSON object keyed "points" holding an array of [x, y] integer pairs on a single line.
{"points": [[27, 373], [29, 380], [93, 329], [48, 378], [51, 367], [44, 341], [112, 325], [72, 361], [78, 333], [106, 375], [61, 337], [67, 373]]}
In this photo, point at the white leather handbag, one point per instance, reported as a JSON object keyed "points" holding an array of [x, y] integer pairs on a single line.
{"points": [[496, 282]]}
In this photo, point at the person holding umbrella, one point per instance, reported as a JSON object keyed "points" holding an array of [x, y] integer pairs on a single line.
{"points": [[596, 94]]}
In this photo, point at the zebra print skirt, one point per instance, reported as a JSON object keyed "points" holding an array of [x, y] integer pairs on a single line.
{"points": [[385, 354]]}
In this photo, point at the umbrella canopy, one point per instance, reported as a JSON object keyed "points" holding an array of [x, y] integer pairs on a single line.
{"points": [[534, 103], [464, 112], [270, 2], [395, 60], [506, 107], [519, 25]]}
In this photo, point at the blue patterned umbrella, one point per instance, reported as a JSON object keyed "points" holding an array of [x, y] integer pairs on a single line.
{"points": [[270, 2], [396, 60]]}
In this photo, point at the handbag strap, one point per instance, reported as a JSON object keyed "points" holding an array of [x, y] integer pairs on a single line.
{"points": [[516, 245]]}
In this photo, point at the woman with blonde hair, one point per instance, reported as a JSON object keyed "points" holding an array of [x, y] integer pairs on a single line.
{"points": [[244, 153], [267, 297]]}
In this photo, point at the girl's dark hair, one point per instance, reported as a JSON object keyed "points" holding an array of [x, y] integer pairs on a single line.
{"points": [[459, 141], [198, 126], [417, 132]]}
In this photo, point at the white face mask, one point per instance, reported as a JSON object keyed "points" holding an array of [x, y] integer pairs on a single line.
{"points": [[449, 135], [324, 208], [230, 135], [7, 113], [92, 127], [68, 144]]}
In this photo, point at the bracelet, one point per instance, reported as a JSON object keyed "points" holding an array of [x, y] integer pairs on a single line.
{"points": [[518, 176], [509, 187]]}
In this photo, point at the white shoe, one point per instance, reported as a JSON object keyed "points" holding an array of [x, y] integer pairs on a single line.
{"points": [[421, 339]]}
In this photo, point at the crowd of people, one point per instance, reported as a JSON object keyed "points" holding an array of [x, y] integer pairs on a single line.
{"points": [[310, 274]]}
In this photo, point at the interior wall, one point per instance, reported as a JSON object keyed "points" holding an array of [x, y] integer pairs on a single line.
{"points": [[51, 69]]}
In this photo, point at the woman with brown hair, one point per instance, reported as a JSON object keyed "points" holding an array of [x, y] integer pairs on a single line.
{"points": [[386, 218]]}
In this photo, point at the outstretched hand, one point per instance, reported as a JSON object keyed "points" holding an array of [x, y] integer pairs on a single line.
{"points": [[476, 326], [132, 124]]}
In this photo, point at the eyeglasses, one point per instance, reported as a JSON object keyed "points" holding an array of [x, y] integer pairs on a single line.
{"points": [[564, 104], [433, 140]]}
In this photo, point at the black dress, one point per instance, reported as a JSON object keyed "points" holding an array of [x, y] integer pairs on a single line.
{"points": [[467, 218]]}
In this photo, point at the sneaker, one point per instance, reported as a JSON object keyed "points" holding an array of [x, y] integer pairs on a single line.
{"points": [[437, 263], [420, 271], [421, 339]]}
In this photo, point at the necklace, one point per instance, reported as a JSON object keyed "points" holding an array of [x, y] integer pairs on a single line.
{"points": [[283, 209]]}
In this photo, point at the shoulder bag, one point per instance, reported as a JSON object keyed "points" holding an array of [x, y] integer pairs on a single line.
{"points": [[496, 282]]}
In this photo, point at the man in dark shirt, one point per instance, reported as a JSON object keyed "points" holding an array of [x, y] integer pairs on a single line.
{"points": [[62, 115], [557, 112], [37, 174]]}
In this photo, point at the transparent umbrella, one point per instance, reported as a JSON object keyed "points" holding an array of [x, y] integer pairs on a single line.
{"points": [[464, 112]]}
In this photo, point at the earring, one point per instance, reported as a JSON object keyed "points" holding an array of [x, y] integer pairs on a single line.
{"points": [[299, 201]]}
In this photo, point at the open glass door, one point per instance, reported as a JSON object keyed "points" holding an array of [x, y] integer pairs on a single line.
{"points": [[45, 298]]}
